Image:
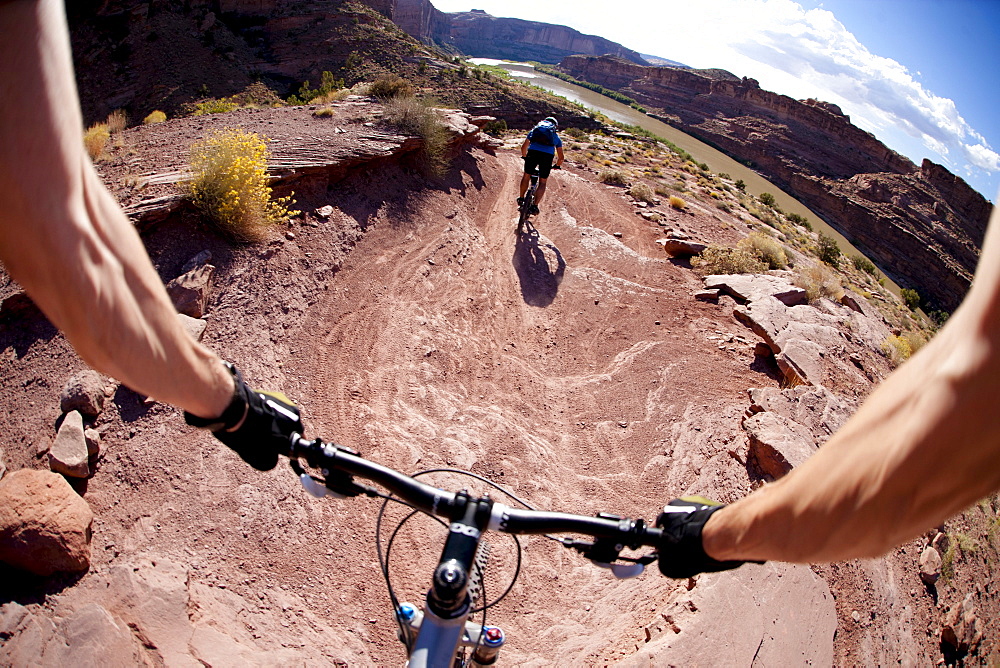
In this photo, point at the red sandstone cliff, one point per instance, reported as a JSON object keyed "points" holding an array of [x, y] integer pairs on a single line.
{"points": [[922, 226]]}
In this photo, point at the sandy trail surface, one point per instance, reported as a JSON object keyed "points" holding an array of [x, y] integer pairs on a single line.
{"points": [[572, 366]]}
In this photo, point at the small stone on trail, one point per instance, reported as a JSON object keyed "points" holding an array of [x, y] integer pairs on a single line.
{"points": [[83, 392]]}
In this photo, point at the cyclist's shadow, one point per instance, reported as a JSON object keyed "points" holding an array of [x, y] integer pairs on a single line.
{"points": [[539, 266]]}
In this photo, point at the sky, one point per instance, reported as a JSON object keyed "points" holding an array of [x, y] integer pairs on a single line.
{"points": [[921, 75]]}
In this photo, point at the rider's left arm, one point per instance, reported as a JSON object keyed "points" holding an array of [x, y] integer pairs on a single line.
{"points": [[524, 148]]}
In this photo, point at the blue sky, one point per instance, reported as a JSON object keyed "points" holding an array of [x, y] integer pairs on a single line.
{"points": [[921, 75]]}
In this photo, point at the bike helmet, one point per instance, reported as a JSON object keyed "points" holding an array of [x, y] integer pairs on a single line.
{"points": [[553, 121]]}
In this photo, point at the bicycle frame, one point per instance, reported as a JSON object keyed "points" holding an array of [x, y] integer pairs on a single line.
{"points": [[439, 635], [527, 201]]}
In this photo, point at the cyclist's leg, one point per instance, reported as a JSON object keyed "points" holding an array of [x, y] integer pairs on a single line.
{"points": [[530, 163], [540, 190], [544, 169]]}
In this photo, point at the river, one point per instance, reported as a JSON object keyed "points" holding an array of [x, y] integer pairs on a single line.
{"points": [[716, 160]]}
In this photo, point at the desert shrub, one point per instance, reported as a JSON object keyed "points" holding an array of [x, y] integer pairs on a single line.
{"points": [[911, 298], [642, 192], [915, 338], [861, 263], [214, 106], [767, 199], [724, 206], [496, 128], [767, 248], [418, 117], [828, 250], [799, 220], [323, 112], [677, 203], [614, 177], [576, 133], [95, 139], [389, 86], [724, 260], [897, 349], [229, 185], [819, 280], [154, 117], [117, 121], [740, 185], [257, 94]]}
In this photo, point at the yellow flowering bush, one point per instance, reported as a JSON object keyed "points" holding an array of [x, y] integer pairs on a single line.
{"points": [[229, 185]]}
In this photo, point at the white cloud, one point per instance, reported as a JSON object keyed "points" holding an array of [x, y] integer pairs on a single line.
{"points": [[788, 49], [983, 156]]}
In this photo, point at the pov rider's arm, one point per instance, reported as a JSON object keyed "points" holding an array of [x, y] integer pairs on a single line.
{"points": [[257, 425], [681, 554]]}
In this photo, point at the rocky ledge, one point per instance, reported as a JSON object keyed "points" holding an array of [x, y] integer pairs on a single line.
{"points": [[923, 226]]}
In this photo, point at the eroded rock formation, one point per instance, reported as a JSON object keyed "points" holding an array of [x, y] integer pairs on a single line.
{"points": [[922, 225]]}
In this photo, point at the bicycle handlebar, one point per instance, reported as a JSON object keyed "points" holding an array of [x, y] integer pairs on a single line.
{"points": [[339, 464]]}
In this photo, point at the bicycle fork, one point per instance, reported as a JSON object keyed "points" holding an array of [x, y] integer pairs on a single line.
{"points": [[486, 640], [436, 636]]}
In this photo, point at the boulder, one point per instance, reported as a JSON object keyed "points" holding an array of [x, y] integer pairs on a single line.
{"points": [[189, 291], [755, 287], [195, 327], [815, 407], [777, 444], [961, 626], [83, 392], [676, 247], [93, 440], [45, 526], [69, 454], [930, 565], [800, 362], [202, 258]]}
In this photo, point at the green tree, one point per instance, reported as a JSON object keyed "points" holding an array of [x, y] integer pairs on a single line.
{"points": [[766, 199]]}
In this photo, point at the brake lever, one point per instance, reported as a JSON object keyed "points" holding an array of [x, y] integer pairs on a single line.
{"points": [[622, 571]]}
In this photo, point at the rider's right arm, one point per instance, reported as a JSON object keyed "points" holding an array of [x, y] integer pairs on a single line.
{"points": [[64, 238], [922, 447]]}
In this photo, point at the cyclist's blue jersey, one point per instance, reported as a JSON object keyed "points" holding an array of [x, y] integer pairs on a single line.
{"points": [[546, 148]]}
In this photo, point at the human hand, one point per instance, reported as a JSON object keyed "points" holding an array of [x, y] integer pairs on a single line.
{"points": [[257, 425], [681, 554]]}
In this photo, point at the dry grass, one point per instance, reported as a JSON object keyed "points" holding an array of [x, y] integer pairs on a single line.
{"points": [[323, 112], [677, 203], [418, 117], [819, 280], [642, 193], [95, 139], [117, 121], [767, 248], [154, 117], [724, 260], [613, 177], [230, 187], [897, 349]]}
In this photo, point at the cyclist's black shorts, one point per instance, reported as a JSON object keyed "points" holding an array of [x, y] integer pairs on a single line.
{"points": [[539, 159]]}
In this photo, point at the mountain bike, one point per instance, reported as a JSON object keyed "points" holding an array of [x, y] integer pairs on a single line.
{"points": [[528, 201], [443, 632]]}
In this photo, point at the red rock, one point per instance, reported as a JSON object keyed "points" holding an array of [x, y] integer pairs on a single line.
{"points": [[45, 526]]}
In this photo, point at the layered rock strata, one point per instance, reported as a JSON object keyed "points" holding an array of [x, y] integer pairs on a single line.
{"points": [[923, 226]]}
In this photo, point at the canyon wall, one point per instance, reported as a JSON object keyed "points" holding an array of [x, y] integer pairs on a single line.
{"points": [[478, 34], [923, 226]]}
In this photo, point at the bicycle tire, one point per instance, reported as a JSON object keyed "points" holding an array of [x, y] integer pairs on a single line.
{"points": [[476, 576]]}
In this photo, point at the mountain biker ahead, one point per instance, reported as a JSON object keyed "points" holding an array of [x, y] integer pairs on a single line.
{"points": [[538, 150]]}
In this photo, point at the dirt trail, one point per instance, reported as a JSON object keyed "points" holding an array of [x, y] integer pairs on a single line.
{"points": [[571, 366]]}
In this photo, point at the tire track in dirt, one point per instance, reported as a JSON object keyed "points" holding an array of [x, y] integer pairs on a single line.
{"points": [[446, 341]]}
